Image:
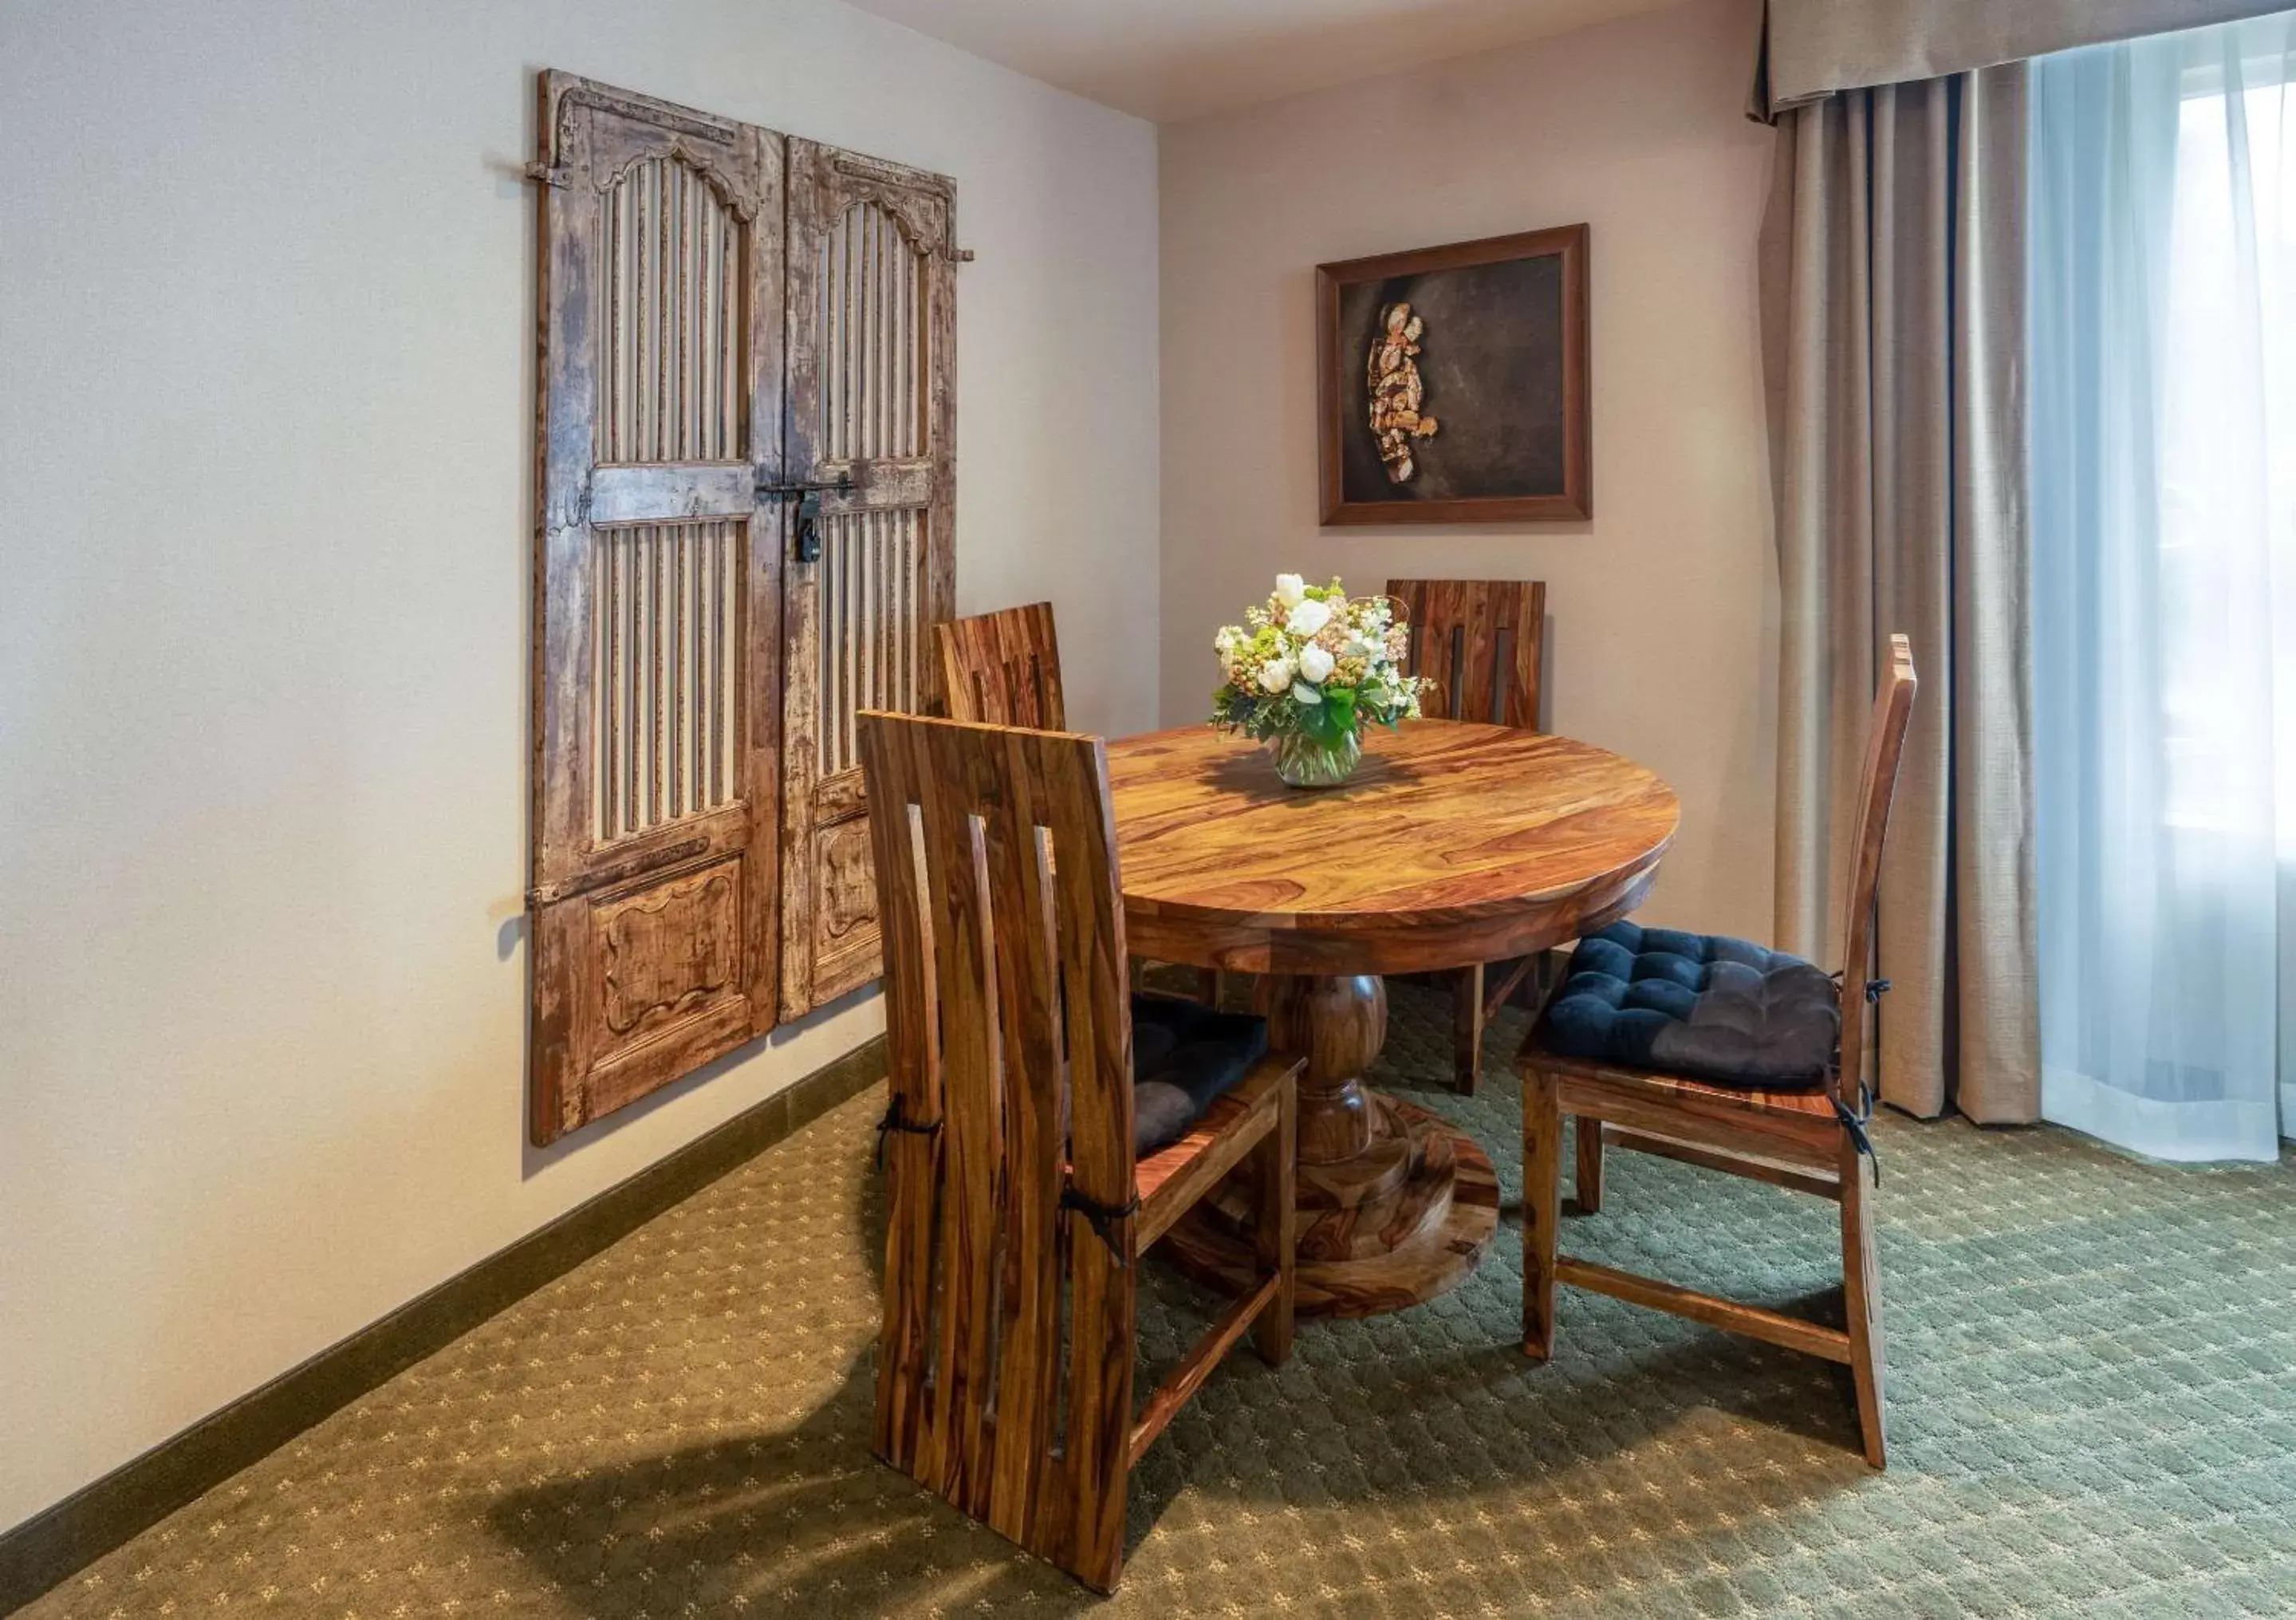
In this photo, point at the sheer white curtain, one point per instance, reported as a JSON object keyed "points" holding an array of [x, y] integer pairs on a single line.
{"points": [[2162, 419]]}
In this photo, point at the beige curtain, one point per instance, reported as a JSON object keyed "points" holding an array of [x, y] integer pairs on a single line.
{"points": [[1812, 48], [1893, 291]]}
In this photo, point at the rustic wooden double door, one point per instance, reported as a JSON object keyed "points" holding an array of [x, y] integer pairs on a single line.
{"points": [[746, 492]]}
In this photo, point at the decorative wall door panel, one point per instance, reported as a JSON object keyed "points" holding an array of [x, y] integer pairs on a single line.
{"points": [[697, 873], [871, 388], [654, 911]]}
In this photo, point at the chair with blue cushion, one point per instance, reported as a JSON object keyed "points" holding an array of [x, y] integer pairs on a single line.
{"points": [[1724, 1055], [1044, 1127]]}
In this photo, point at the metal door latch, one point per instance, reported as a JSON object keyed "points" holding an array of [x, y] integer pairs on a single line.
{"points": [[805, 544]]}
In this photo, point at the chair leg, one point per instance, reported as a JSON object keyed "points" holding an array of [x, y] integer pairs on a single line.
{"points": [[1467, 1047], [1273, 1228], [1861, 1289], [1542, 1207], [1208, 986], [1586, 1148]]}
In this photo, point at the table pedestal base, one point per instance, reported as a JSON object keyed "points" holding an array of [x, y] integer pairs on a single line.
{"points": [[1395, 1204]]}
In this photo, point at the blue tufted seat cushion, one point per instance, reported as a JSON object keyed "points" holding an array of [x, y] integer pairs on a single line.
{"points": [[1184, 1055], [1702, 1006]]}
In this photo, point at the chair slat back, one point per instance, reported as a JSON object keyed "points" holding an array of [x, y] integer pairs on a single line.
{"points": [[1008, 1035], [1004, 669], [1477, 642], [1885, 747]]}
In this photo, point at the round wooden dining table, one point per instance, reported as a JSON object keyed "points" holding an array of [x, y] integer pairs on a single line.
{"points": [[1452, 844]]}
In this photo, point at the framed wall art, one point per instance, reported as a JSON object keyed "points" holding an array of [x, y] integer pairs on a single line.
{"points": [[1452, 383]]}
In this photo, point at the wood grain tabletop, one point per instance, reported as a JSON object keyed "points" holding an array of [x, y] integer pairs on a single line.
{"points": [[1453, 844]]}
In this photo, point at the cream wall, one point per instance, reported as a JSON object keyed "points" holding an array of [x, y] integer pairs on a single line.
{"points": [[1663, 610], [266, 408]]}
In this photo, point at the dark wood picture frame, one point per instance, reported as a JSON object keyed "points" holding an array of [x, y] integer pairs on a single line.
{"points": [[1339, 397]]}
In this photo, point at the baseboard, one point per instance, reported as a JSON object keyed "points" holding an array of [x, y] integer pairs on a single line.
{"points": [[52, 1546]]}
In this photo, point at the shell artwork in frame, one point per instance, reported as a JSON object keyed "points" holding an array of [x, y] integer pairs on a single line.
{"points": [[1391, 380], [1489, 336]]}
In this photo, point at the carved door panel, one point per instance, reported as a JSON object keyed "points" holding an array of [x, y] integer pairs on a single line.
{"points": [[872, 393], [654, 911]]}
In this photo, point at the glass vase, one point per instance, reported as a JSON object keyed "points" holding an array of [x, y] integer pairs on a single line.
{"points": [[1302, 762]]}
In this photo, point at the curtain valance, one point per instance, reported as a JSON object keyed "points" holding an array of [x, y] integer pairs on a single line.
{"points": [[1811, 48]]}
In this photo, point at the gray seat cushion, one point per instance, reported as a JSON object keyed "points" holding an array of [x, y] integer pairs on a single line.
{"points": [[1184, 1055], [1702, 1006]]}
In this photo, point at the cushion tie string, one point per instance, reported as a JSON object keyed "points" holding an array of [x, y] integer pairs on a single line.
{"points": [[1855, 1122], [895, 1120], [1876, 989], [1103, 1218]]}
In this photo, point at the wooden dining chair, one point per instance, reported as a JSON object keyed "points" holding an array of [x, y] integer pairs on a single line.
{"points": [[1046, 1127], [1724, 1054], [1004, 669], [1477, 644]]}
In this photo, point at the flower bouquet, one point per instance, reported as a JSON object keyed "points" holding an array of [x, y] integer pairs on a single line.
{"points": [[1307, 670]]}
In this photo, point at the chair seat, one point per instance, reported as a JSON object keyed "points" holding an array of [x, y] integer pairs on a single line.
{"points": [[1697, 1011], [1184, 1055], [1739, 1098]]}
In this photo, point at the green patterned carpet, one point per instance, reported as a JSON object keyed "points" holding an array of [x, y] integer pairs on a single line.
{"points": [[2093, 1412]]}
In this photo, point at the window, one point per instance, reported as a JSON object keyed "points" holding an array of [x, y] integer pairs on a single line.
{"points": [[2162, 429]]}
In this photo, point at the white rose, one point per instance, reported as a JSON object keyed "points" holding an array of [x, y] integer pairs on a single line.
{"points": [[1291, 590], [1307, 617], [1277, 675], [1302, 693], [1316, 665]]}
